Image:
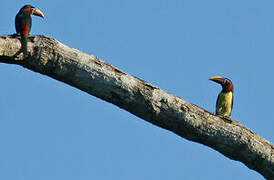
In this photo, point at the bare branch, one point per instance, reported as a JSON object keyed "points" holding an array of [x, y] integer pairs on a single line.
{"points": [[98, 78]]}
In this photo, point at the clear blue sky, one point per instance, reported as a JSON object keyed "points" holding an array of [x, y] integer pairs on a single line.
{"points": [[49, 130]]}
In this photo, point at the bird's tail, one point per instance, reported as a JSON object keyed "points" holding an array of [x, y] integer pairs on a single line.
{"points": [[24, 44]]}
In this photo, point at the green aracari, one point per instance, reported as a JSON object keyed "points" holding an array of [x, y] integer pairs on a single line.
{"points": [[224, 102]]}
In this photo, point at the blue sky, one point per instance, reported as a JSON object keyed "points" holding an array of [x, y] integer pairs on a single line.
{"points": [[49, 130]]}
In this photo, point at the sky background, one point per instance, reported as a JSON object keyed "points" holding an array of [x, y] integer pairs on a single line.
{"points": [[50, 130]]}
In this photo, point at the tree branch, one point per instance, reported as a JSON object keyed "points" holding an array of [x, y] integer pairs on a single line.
{"points": [[98, 78]]}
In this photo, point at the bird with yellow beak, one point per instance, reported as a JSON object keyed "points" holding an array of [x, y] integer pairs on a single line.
{"points": [[23, 24], [224, 102]]}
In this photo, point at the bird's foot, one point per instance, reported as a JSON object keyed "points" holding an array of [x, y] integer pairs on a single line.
{"points": [[15, 35], [226, 119], [31, 38]]}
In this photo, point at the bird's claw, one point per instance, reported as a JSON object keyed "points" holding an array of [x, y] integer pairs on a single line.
{"points": [[15, 35], [226, 119]]}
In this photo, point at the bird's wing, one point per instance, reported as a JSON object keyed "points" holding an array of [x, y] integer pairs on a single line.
{"points": [[232, 102], [217, 102]]}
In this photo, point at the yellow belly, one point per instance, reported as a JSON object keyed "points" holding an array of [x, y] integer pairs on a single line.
{"points": [[224, 104]]}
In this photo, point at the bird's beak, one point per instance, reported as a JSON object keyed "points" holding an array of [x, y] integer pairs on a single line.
{"points": [[217, 79], [37, 12]]}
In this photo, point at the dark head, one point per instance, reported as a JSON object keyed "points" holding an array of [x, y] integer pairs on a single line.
{"points": [[31, 10], [225, 82]]}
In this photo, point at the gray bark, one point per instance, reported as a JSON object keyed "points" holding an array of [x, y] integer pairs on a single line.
{"points": [[98, 78]]}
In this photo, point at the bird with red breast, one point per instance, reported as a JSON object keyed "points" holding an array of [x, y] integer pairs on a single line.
{"points": [[23, 24]]}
